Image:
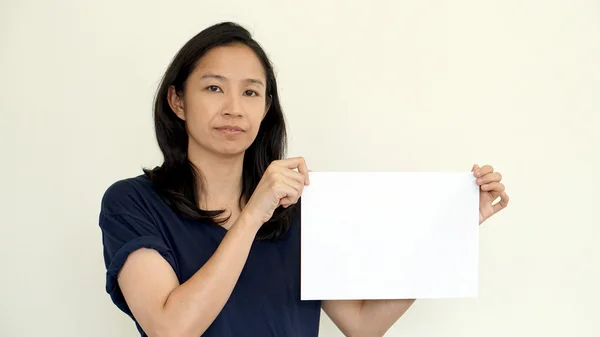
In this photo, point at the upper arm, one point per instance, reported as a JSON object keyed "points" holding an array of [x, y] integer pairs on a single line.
{"points": [[146, 281], [140, 265], [344, 314]]}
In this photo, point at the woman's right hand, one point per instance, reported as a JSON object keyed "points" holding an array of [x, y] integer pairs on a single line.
{"points": [[280, 185]]}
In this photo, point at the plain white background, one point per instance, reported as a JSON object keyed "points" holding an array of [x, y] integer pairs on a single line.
{"points": [[366, 85]]}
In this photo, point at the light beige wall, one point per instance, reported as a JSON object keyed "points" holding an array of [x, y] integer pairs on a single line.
{"points": [[370, 85]]}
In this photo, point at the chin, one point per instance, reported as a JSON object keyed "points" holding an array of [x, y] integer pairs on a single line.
{"points": [[220, 148], [231, 151]]}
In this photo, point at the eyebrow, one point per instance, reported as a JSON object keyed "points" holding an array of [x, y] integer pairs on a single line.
{"points": [[223, 78]]}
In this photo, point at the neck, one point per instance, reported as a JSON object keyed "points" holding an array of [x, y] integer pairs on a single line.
{"points": [[221, 179]]}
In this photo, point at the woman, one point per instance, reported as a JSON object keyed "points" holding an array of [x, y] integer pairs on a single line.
{"points": [[208, 243]]}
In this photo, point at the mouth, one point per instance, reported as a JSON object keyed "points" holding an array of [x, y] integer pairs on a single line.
{"points": [[230, 129]]}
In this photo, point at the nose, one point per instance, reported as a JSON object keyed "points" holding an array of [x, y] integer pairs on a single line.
{"points": [[233, 106]]}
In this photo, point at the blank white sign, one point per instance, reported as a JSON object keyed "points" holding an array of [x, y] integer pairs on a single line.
{"points": [[389, 235]]}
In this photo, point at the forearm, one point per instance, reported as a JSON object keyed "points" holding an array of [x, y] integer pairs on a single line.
{"points": [[369, 318], [194, 305], [378, 316]]}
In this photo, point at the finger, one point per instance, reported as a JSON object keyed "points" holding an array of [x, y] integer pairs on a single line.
{"points": [[489, 178], [496, 194], [493, 187], [298, 186], [500, 205], [296, 163], [290, 174], [303, 168], [475, 170], [485, 169], [293, 190]]}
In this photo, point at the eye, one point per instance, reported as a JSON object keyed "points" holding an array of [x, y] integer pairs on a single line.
{"points": [[213, 88], [250, 93]]}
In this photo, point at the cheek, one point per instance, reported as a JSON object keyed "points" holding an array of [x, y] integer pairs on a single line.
{"points": [[254, 121], [196, 121], [199, 113], [255, 111]]}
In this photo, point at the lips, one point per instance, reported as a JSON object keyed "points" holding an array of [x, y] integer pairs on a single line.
{"points": [[230, 128]]}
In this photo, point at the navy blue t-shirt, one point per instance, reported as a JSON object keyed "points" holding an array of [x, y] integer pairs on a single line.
{"points": [[266, 298]]}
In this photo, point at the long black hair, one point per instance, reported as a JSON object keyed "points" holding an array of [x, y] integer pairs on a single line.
{"points": [[177, 180]]}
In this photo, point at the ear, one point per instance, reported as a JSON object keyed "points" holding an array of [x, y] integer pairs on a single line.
{"points": [[176, 102]]}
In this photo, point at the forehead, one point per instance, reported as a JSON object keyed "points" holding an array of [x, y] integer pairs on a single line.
{"points": [[234, 61]]}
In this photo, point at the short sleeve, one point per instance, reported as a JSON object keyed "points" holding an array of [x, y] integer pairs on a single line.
{"points": [[122, 234]]}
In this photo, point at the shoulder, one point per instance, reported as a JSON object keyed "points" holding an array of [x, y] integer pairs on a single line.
{"points": [[128, 196], [129, 214]]}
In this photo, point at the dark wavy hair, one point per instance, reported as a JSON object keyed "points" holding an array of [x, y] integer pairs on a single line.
{"points": [[177, 180]]}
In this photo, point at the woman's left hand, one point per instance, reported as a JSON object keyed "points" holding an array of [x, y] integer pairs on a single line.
{"points": [[491, 188]]}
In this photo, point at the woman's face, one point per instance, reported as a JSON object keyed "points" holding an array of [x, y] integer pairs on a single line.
{"points": [[224, 101]]}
